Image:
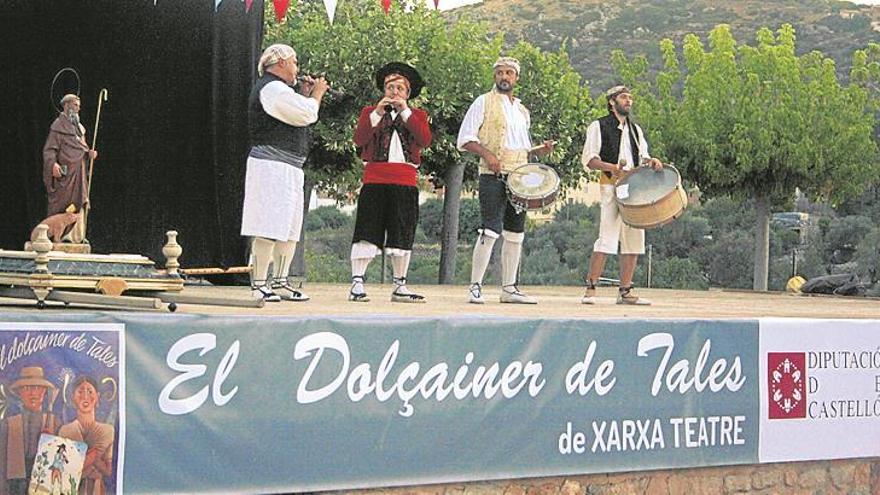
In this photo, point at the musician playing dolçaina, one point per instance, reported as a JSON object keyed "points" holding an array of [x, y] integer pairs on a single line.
{"points": [[613, 145], [279, 120], [390, 136]]}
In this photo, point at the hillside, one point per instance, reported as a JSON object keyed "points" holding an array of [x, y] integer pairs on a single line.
{"points": [[592, 28]]}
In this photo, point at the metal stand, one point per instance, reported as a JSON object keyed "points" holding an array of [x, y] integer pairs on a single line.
{"points": [[70, 297]]}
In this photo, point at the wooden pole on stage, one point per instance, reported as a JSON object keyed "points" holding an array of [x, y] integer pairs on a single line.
{"points": [[102, 97]]}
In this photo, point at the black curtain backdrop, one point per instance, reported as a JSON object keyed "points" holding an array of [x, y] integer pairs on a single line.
{"points": [[172, 140]]}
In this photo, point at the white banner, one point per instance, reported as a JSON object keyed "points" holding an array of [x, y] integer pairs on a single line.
{"points": [[820, 389]]}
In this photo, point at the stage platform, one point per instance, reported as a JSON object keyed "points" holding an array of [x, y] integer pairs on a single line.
{"points": [[554, 302]]}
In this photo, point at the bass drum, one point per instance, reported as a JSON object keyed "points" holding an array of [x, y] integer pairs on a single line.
{"points": [[648, 199], [533, 186]]}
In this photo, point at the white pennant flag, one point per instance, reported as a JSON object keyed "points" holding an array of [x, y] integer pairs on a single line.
{"points": [[216, 4], [330, 5]]}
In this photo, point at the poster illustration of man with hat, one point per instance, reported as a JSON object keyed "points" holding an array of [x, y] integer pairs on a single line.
{"points": [[20, 433]]}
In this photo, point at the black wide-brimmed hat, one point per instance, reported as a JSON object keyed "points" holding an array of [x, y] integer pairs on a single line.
{"points": [[415, 80]]}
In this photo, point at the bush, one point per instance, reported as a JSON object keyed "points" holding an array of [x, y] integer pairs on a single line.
{"points": [[327, 217], [780, 272], [431, 220], [423, 267], [326, 268], [681, 238], [728, 260], [867, 256], [542, 267], [708, 244], [678, 273], [727, 215], [844, 235]]}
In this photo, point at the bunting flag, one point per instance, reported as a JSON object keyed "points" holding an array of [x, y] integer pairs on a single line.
{"points": [[330, 5], [437, 4], [249, 3], [280, 8], [386, 5]]}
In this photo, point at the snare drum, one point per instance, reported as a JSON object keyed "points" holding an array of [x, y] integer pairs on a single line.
{"points": [[533, 186], [649, 198]]}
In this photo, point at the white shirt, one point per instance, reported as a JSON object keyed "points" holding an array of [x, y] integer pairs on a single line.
{"points": [[283, 103], [395, 149], [516, 136], [593, 144]]}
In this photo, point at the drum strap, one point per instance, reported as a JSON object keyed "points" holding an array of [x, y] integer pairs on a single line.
{"points": [[634, 139]]}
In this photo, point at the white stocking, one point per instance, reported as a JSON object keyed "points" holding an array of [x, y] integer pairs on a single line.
{"points": [[511, 250], [261, 252], [482, 254]]}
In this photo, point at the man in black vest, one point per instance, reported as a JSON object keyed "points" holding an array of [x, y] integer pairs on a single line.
{"points": [[615, 144], [278, 120]]}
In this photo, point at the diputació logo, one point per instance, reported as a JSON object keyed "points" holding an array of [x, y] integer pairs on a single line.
{"points": [[786, 384]]}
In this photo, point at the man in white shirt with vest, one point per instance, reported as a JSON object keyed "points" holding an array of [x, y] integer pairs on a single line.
{"points": [[615, 144], [278, 122], [496, 127]]}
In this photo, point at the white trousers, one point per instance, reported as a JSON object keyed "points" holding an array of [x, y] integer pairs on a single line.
{"points": [[612, 230], [273, 200]]}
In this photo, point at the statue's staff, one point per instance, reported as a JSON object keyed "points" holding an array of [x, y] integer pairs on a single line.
{"points": [[102, 97]]}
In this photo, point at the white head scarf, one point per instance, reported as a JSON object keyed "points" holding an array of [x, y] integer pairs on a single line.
{"points": [[273, 55], [507, 62]]}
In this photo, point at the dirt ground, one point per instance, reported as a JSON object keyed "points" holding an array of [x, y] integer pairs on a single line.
{"points": [[554, 302]]}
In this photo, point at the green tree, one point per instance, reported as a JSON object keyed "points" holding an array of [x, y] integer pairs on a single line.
{"points": [[456, 62], [431, 220], [451, 59], [679, 273], [759, 121]]}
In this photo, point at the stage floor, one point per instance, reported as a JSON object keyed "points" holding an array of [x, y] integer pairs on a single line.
{"points": [[554, 302]]}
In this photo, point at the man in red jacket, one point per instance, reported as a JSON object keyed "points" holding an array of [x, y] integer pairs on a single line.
{"points": [[390, 136]]}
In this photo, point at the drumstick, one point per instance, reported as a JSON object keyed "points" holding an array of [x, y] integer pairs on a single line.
{"points": [[536, 148]]}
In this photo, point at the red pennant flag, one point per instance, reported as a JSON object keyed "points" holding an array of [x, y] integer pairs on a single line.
{"points": [[386, 5], [249, 3], [436, 4], [280, 8]]}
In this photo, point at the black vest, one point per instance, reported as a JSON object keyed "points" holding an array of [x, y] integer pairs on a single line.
{"points": [[265, 129], [611, 134]]}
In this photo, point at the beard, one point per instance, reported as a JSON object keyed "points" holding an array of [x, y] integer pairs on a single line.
{"points": [[621, 110], [73, 117], [504, 86]]}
